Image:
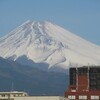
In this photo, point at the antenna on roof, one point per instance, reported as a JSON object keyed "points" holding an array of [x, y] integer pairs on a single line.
{"points": [[12, 87], [28, 91]]}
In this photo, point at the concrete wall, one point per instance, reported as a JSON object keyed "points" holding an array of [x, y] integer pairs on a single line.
{"points": [[40, 98]]}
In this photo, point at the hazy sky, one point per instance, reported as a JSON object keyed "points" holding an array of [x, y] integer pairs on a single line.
{"points": [[81, 17]]}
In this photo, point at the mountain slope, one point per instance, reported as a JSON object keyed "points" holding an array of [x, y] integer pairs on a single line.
{"points": [[26, 78], [47, 43]]}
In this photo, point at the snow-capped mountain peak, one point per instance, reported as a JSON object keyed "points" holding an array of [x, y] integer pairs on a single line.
{"points": [[44, 42]]}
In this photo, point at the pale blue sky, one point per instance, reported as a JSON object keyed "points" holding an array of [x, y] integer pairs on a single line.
{"points": [[81, 17]]}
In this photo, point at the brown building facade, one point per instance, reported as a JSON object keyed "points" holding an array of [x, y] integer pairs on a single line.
{"points": [[84, 83]]}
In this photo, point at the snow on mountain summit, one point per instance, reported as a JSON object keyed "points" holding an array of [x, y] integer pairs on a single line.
{"points": [[44, 42]]}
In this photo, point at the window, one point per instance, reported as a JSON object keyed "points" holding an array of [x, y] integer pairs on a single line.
{"points": [[71, 97], [14, 95], [3, 95], [82, 97], [94, 97]]}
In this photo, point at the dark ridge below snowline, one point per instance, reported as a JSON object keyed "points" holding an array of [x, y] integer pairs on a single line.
{"points": [[30, 79], [23, 60]]}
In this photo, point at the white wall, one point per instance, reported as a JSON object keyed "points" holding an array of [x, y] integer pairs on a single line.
{"points": [[39, 98]]}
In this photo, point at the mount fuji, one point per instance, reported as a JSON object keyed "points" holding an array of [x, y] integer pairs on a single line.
{"points": [[48, 47]]}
